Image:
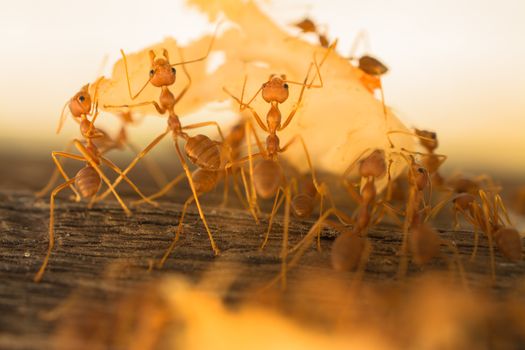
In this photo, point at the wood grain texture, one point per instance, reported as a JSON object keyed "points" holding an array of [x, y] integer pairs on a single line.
{"points": [[101, 250]]}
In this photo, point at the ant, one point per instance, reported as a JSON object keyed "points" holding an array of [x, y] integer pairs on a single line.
{"points": [[351, 249], [308, 26], [104, 142], [200, 149], [486, 216], [430, 160], [87, 181], [424, 243], [267, 178]]}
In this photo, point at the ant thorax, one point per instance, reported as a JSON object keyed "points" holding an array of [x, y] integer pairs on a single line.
{"points": [[273, 118]]}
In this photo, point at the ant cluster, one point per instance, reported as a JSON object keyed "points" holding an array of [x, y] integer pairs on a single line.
{"points": [[265, 176]]}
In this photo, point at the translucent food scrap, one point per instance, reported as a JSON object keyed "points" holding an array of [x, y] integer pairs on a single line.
{"points": [[338, 122]]}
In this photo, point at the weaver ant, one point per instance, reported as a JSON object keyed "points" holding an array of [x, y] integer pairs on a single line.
{"points": [[87, 182], [200, 149]]}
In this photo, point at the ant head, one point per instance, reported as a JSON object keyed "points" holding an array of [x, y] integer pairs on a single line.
{"points": [[428, 139], [275, 89], [161, 72], [80, 103], [420, 176], [374, 165]]}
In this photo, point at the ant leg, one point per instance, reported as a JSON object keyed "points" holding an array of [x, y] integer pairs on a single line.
{"points": [[438, 207], [134, 162], [54, 155], [203, 124], [160, 264], [352, 192], [153, 167], [276, 205], [163, 190], [284, 251], [253, 195], [133, 186], [80, 147], [54, 177], [486, 218], [195, 196], [498, 203], [128, 80], [226, 190], [459, 264], [321, 202], [307, 239], [40, 273], [237, 190], [187, 87], [154, 103], [254, 209]]}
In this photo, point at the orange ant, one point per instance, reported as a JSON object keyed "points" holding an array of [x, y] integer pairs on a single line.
{"points": [[424, 243], [267, 176], [86, 183], [308, 26], [430, 160], [104, 142], [351, 249], [200, 149], [487, 218]]}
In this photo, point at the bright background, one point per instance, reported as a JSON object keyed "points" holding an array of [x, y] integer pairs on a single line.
{"points": [[457, 67]]}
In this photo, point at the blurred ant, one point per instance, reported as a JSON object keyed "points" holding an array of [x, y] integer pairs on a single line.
{"points": [[200, 149], [418, 237], [308, 26], [87, 182], [351, 249], [430, 160]]}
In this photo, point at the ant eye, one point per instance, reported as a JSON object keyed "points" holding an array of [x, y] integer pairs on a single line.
{"points": [[285, 86], [173, 70], [151, 72], [81, 98]]}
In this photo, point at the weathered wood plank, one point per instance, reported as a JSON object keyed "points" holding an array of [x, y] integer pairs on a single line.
{"points": [[97, 247]]}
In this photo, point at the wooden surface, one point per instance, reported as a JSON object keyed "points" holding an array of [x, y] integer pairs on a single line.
{"points": [[100, 251]]}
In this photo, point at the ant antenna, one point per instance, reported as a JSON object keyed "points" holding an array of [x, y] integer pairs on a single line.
{"points": [[62, 119], [207, 52]]}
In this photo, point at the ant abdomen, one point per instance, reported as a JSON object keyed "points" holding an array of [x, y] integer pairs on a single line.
{"points": [[372, 66], [508, 241], [204, 180], [302, 205], [267, 175], [374, 165], [346, 251], [424, 244], [87, 181], [203, 152]]}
